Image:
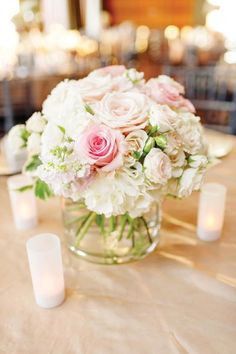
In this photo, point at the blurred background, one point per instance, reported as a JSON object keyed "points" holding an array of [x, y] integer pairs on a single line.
{"points": [[44, 41]]}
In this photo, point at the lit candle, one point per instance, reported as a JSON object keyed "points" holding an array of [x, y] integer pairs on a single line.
{"points": [[211, 211], [23, 202], [44, 255]]}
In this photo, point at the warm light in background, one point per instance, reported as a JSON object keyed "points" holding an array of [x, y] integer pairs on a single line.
{"points": [[223, 19], [214, 2], [171, 32], [230, 57], [142, 38], [9, 38], [8, 9]]}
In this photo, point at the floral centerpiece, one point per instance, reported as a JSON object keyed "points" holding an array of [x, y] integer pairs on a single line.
{"points": [[113, 146]]}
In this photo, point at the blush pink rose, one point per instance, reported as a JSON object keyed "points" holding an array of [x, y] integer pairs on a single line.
{"points": [[115, 74], [125, 111], [101, 147], [93, 88], [113, 70], [165, 90]]}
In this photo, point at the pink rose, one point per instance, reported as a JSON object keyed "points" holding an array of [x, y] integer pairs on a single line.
{"points": [[165, 90], [115, 73], [101, 147], [126, 111], [113, 70]]}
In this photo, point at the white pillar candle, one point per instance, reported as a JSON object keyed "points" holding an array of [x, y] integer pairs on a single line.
{"points": [[93, 18], [23, 203], [211, 211], [44, 255]]}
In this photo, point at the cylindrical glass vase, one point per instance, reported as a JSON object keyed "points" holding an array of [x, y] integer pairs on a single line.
{"points": [[114, 240]]}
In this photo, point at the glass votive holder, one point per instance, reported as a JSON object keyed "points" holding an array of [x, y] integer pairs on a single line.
{"points": [[44, 255], [23, 203], [211, 211]]}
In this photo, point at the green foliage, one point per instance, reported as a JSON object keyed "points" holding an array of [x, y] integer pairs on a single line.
{"points": [[149, 145], [42, 190], [24, 136], [88, 109], [62, 129], [152, 130], [24, 188], [161, 141], [33, 163], [61, 152], [137, 155]]}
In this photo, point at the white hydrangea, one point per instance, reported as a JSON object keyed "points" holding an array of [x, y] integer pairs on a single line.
{"points": [[64, 107], [34, 144], [118, 193], [51, 137], [15, 139], [61, 169], [36, 123]]}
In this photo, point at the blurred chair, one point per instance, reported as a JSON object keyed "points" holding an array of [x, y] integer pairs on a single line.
{"points": [[15, 102], [210, 92], [6, 109]]}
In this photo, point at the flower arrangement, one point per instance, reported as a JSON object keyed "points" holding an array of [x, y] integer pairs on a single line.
{"points": [[115, 141]]}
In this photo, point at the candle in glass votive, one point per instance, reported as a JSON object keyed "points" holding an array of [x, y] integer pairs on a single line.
{"points": [[44, 255], [23, 203], [211, 211]]}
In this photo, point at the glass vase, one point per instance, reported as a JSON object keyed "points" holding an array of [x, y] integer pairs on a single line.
{"points": [[114, 240]]}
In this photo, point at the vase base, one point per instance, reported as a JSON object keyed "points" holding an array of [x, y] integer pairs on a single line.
{"points": [[112, 259]]}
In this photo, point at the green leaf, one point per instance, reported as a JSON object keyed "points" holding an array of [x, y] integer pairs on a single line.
{"points": [[62, 129], [89, 109], [42, 190], [24, 188], [33, 163], [137, 154], [161, 141]]}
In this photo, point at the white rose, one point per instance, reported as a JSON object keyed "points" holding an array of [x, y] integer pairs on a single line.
{"points": [[157, 166], [197, 161], [126, 111], [34, 144], [135, 144], [15, 139], [163, 117], [190, 181], [173, 143], [178, 161], [36, 123], [190, 130]]}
